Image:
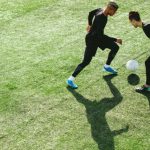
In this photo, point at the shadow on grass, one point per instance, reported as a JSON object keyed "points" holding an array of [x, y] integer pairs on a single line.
{"points": [[146, 94], [96, 115], [133, 79]]}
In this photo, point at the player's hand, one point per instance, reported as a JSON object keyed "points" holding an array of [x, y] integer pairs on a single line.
{"points": [[119, 41], [88, 28]]}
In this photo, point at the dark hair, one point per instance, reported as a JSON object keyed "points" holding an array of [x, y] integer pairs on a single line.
{"points": [[113, 4], [134, 15]]}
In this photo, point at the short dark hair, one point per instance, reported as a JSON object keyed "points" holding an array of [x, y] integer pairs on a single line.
{"points": [[134, 15], [113, 4]]}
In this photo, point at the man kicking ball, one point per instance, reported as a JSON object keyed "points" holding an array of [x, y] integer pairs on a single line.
{"points": [[136, 21], [95, 38]]}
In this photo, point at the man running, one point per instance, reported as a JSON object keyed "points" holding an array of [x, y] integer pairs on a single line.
{"points": [[136, 21], [95, 38]]}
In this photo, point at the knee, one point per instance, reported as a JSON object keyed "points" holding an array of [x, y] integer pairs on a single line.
{"points": [[84, 64], [116, 48], [87, 63], [147, 62]]}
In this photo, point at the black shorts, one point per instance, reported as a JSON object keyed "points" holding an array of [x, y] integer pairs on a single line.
{"points": [[93, 44]]}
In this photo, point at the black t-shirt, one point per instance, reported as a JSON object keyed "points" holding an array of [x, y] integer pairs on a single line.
{"points": [[97, 20], [92, 15], [146, 29]]}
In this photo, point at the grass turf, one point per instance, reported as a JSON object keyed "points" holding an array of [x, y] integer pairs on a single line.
{"points": [[41, 44]]}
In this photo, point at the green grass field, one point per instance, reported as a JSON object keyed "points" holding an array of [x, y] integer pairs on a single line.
{"points": [[41, 43]]}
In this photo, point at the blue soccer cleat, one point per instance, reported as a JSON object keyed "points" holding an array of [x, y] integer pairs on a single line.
{"points": [[71, 84], [110, 70]]}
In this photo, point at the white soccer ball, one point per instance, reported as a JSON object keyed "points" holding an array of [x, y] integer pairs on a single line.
{"points": [[132, 65]]}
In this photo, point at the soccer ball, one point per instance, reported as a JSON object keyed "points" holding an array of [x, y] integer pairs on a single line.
{"points": [[132, 65]]}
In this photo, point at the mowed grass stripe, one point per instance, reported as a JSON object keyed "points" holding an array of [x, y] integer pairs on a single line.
{"points": [[41, 114]]}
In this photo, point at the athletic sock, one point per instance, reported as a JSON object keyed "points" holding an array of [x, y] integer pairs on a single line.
{"points": [[106, 66], [71, 78]]}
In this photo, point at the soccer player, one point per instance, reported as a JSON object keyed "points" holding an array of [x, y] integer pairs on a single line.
{"points": [[95, 38], [136, 21]]}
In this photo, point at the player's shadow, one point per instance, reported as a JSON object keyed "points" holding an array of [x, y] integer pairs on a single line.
{"points": [[96, 115], [133, 79], [146, 94]]}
